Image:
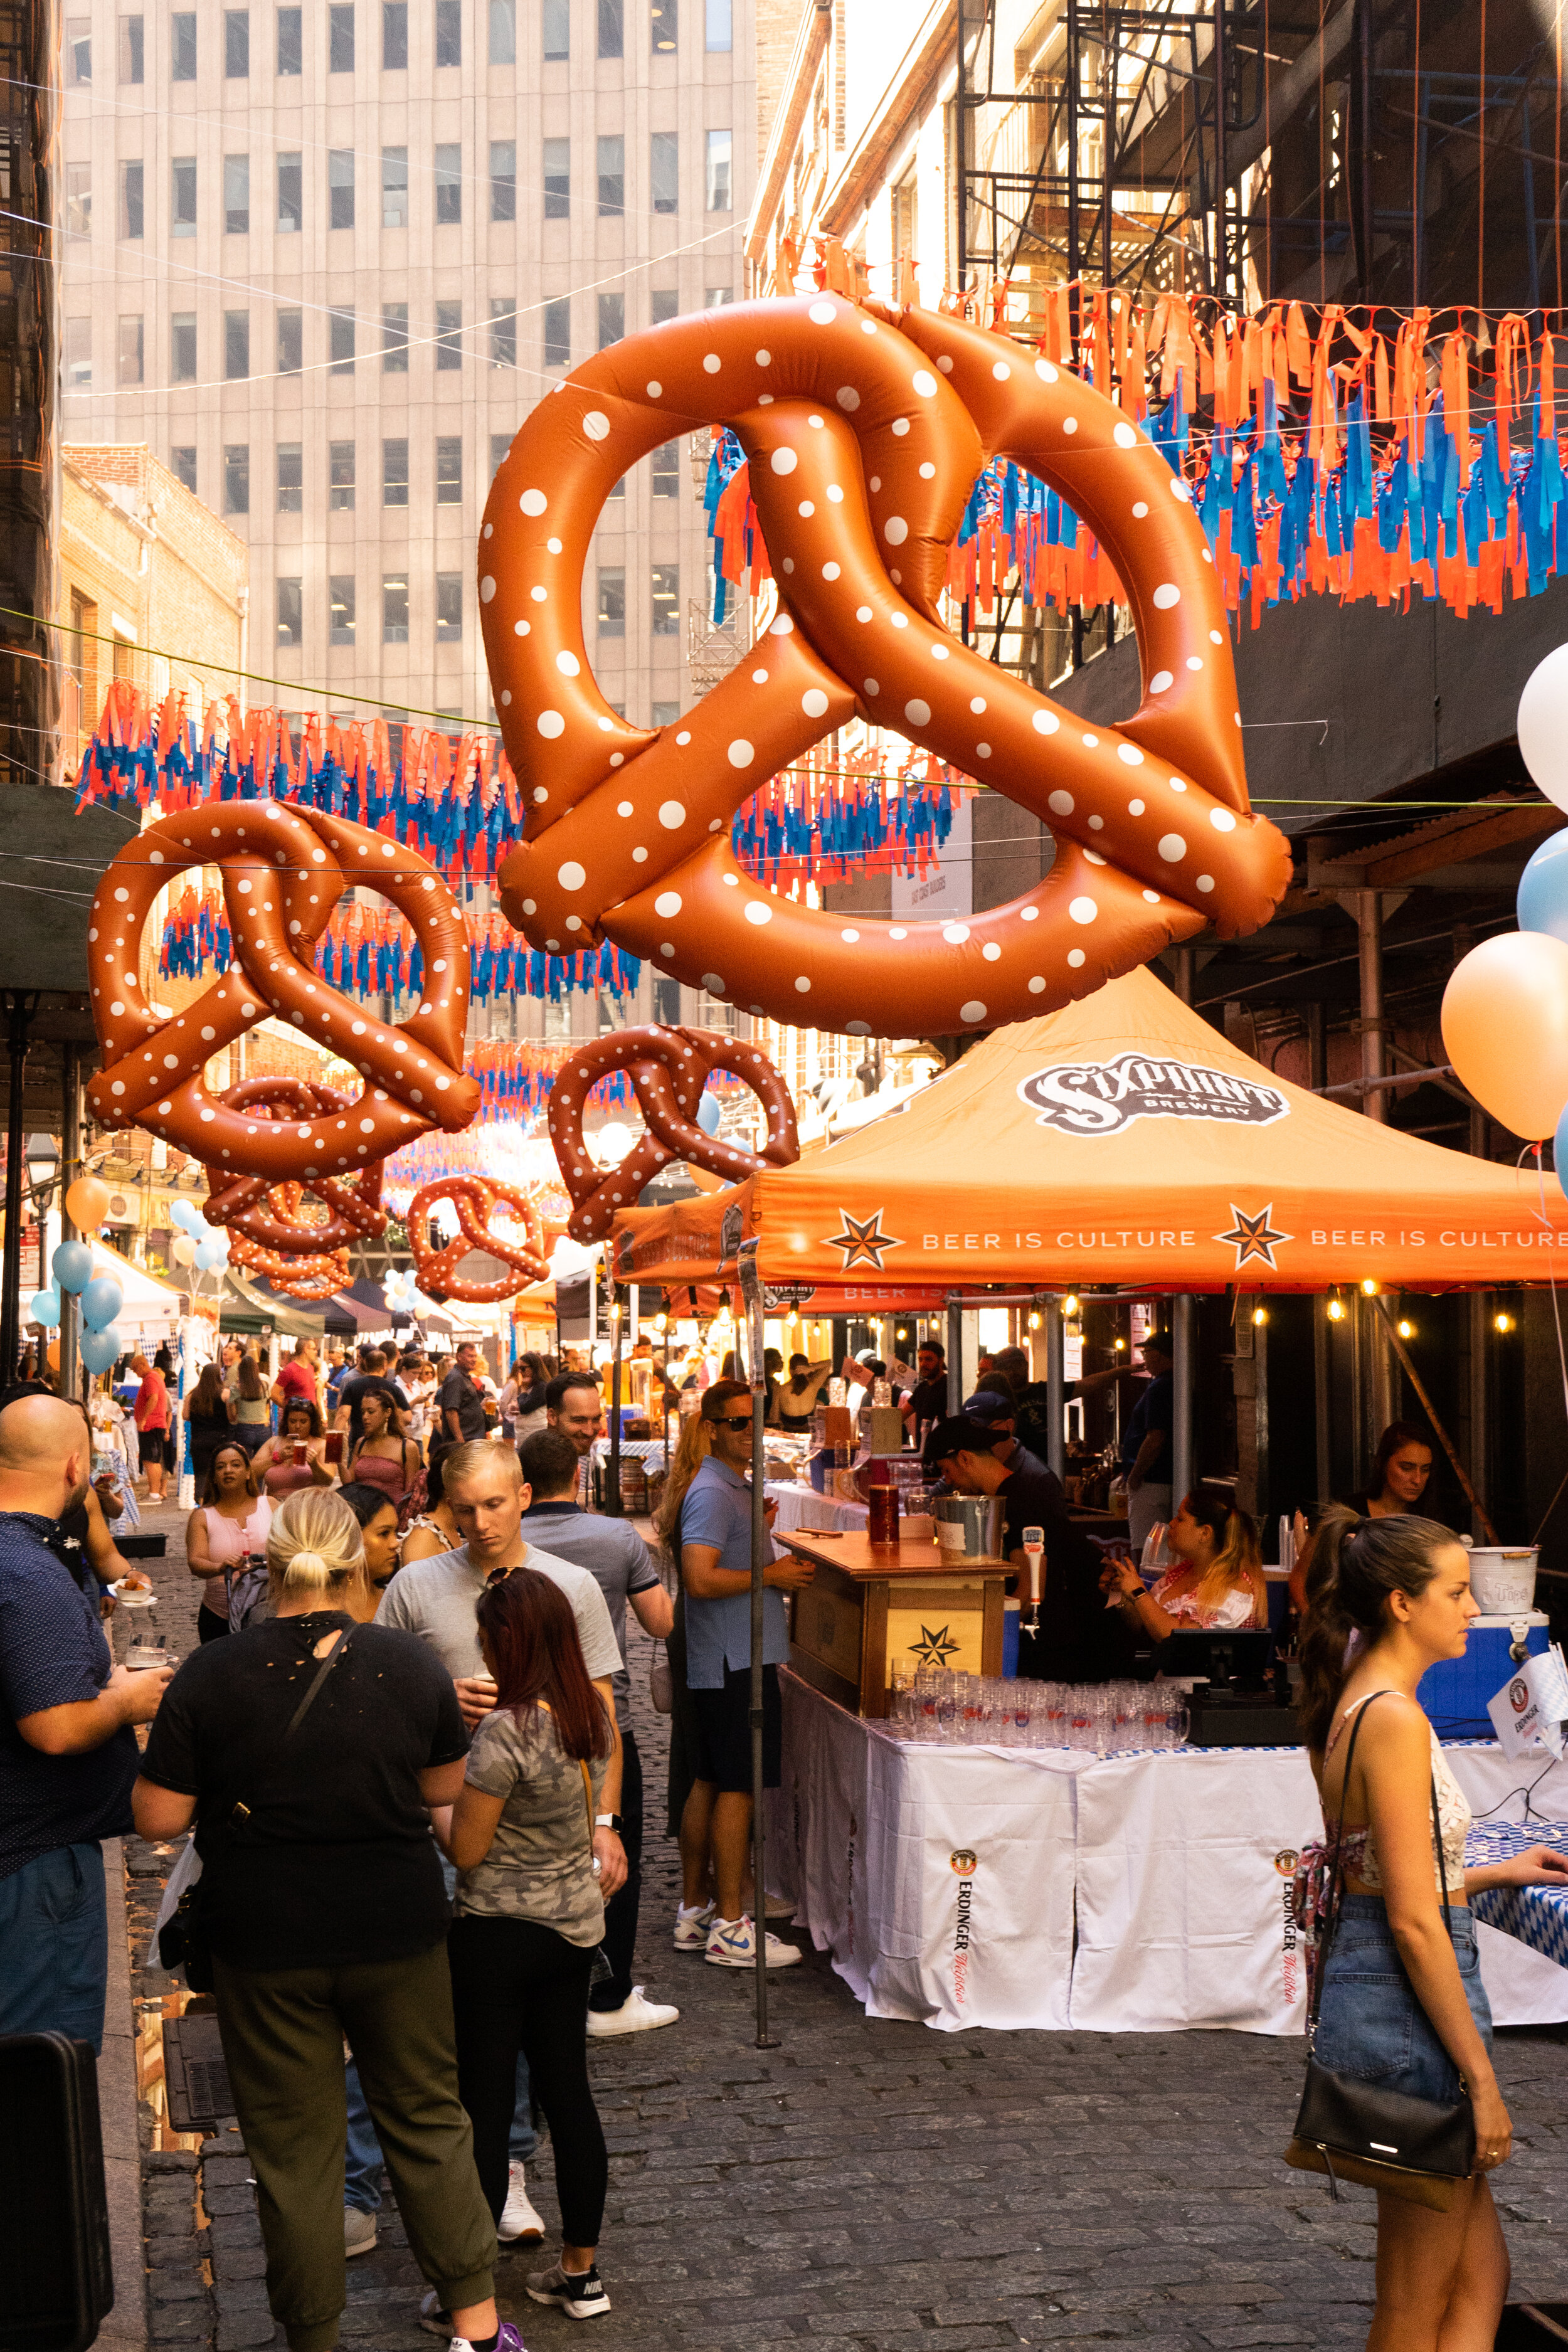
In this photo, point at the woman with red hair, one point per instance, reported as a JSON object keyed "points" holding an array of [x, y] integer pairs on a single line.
{"points": [[529, 1913]]}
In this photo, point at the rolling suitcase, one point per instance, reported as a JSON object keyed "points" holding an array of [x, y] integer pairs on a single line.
{"points": [[56, 2278]]}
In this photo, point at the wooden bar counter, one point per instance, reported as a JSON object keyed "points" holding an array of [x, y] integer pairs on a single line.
{"points": [[871, 1606]]}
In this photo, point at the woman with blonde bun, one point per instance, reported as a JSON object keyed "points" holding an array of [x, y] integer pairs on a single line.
{"points": [[308, 1751]]}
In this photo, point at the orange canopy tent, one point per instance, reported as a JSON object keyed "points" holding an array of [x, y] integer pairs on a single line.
{"points": [[1119, 1141]]}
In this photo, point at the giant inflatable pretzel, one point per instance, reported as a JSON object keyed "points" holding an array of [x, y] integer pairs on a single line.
{"points": [[864, 429], [269, 1215], [284, 870]]}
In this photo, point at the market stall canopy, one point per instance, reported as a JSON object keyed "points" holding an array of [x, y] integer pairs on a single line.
{"points": [[1119, 1141], [152, 1309], [253, 1306]]}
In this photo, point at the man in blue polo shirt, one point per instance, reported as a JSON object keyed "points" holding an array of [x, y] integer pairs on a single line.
{"points": [[716, 1569], [67, 1753]]}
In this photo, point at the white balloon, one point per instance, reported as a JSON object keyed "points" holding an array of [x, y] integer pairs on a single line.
{"points": [[1544, 726]]}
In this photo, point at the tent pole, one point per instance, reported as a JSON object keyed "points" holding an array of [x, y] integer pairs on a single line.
{"points": [[614, 1507], [954, 1355], [1055, 1381], [1321, 1337], [1183, 1322], [762, 1549], [1369, 930], [70, 1168]]}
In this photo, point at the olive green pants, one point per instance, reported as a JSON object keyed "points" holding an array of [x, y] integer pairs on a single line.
{"points": [[283, 2032]]}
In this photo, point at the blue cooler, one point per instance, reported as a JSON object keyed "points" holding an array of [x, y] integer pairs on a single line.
{"points": [[1012, 1621], [1454, 1691]]}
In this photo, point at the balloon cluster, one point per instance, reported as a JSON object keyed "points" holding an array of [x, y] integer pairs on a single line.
{"points": [[403, 1297], [1505, 1009], [101, 1300], [197, 1243]]}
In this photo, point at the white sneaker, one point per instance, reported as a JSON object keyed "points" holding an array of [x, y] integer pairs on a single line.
{"points": [[732, 1944], [518, 2218], [578, 2294], [692, 1922], [433, 2319], [779, 1906], [359, 2232], [636, 2015]]}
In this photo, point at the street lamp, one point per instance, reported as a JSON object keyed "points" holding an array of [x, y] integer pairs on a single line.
{"points": [[43, 1173]]}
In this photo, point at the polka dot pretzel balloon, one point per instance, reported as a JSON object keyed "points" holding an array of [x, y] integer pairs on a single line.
{"points": [[864, 429], [284, 870]]}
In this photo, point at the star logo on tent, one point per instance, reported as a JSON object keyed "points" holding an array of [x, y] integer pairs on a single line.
{"points": [[934, 1649], [1254, 1237], [862, 1238]]}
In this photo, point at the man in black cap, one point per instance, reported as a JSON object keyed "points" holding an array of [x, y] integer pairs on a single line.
{"points": [[999, 1414]]}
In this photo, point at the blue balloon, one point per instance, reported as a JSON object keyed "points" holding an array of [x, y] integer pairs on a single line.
{"points": [[102, 1302], [99, 1349], [71, 1266], [44, 1307], [708, 1114], [208, 1255], [186, 1215], [1544, 888]]}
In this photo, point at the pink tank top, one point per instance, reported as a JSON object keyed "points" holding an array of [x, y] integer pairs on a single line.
{"points": [[230, 1539], [286, 1478], [379, 1470]]}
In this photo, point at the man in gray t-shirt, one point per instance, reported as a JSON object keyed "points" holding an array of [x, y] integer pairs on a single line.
{"points": [[615, 1555]]}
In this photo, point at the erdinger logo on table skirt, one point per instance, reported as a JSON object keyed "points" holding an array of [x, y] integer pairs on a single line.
{"points": [[1101, 1098], [963, 1861]]}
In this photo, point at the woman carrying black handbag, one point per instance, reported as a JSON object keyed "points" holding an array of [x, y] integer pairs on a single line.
{"points": [[1402, 2015]]}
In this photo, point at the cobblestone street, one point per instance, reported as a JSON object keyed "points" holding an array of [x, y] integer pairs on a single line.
{"points": [[871, 2183]]}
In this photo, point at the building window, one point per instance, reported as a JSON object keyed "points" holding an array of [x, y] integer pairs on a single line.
{"points": [[667, 470], [290, 614], [612, 175], [291, 42], [448, 185], [718, 30], [341, 592], [499, 444], [290, 478], [78, 354], [130, 201], [341, 476], [448, 335], [183, 466], [503, 179], [612, 28], [133, 55], [395, 473], [664, 173], [448, 32], [79, 51], [235, 345], [395, 337], [394, 188], [291, 341], [395, 608], [558, 332], [341, 187], [449, 469], [341, 36], [128, 353], [394, 35], [619, 486], [503, 32], [237, 478], [557, 179], [664, 714], [664, 16], [342, 342], [612, 617], [291, 200], [719, 150], [237, 195], [183, 196], [557, 29], [665, 595], [611, 319], [79, 199], [715, 297], [183, 347], [448, 608], [182, 47], [503, 330], [666, 305], [237, 43]]}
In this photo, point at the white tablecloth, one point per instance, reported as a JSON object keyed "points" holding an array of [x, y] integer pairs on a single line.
{"points": [[802, 1506], [945, 1882]]}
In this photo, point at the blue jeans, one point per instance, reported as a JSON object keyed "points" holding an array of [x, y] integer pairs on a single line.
{"points": [[361, 2156], [54, 1946]]}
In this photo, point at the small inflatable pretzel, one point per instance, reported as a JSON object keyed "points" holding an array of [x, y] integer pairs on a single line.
{"points": [[474, 1199], [864, 430], [302, 1274], [284, 870], [269, 1215], [669, 1069]]}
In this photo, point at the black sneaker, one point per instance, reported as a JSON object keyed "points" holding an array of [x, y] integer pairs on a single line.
{"points": [[580, 2293]]}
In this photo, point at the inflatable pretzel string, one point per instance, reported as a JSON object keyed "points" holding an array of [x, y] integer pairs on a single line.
{"points": [[474, 1200], [865, 429], [302, 1274], [284, 870], [268, 1216], [668, 1070]]}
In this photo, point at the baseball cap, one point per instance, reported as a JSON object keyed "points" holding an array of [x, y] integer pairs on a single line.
{"points": [[959, 1434], [987, 1405]]}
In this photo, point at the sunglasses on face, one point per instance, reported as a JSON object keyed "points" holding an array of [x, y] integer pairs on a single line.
{"points": [[734, 1420]]}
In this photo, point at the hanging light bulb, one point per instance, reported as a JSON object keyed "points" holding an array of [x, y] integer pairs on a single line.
{"points": [[1069, 1305], [1405, 1329], [1336, 1310], [1369, 1288], [1259, 1316], [1120, 1345], [1502, 1322]]}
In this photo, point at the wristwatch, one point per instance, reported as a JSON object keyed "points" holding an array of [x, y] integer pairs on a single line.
{"points": [[608, 1822]]}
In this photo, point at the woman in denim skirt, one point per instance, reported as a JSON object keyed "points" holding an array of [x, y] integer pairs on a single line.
{"points": [[1403, 2005]]}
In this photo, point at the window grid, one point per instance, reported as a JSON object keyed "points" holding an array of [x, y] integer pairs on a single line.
{"points": [[291, 42], [395, 337], [237, 195], [341, 476], [449, 469], [503, 179], [341, 187], [237, 43], [237, 478], [290, 478], [341, 36], [611, 170]]}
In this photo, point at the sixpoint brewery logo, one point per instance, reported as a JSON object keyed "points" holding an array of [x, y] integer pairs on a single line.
{"points": [[1098, 1099]]}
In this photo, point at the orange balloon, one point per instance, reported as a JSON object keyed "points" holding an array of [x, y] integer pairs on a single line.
{"points": [[1505, 1026], [87, 1203]]}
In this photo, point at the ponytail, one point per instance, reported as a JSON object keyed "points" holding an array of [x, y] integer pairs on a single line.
{"points": [[1355, 1564], [314, 1546]]}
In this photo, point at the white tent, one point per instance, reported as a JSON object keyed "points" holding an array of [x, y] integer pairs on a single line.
{"points": [[150, 1312]]}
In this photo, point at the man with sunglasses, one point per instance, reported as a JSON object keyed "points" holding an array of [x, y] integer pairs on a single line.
{"points": [[716, 1571]]}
